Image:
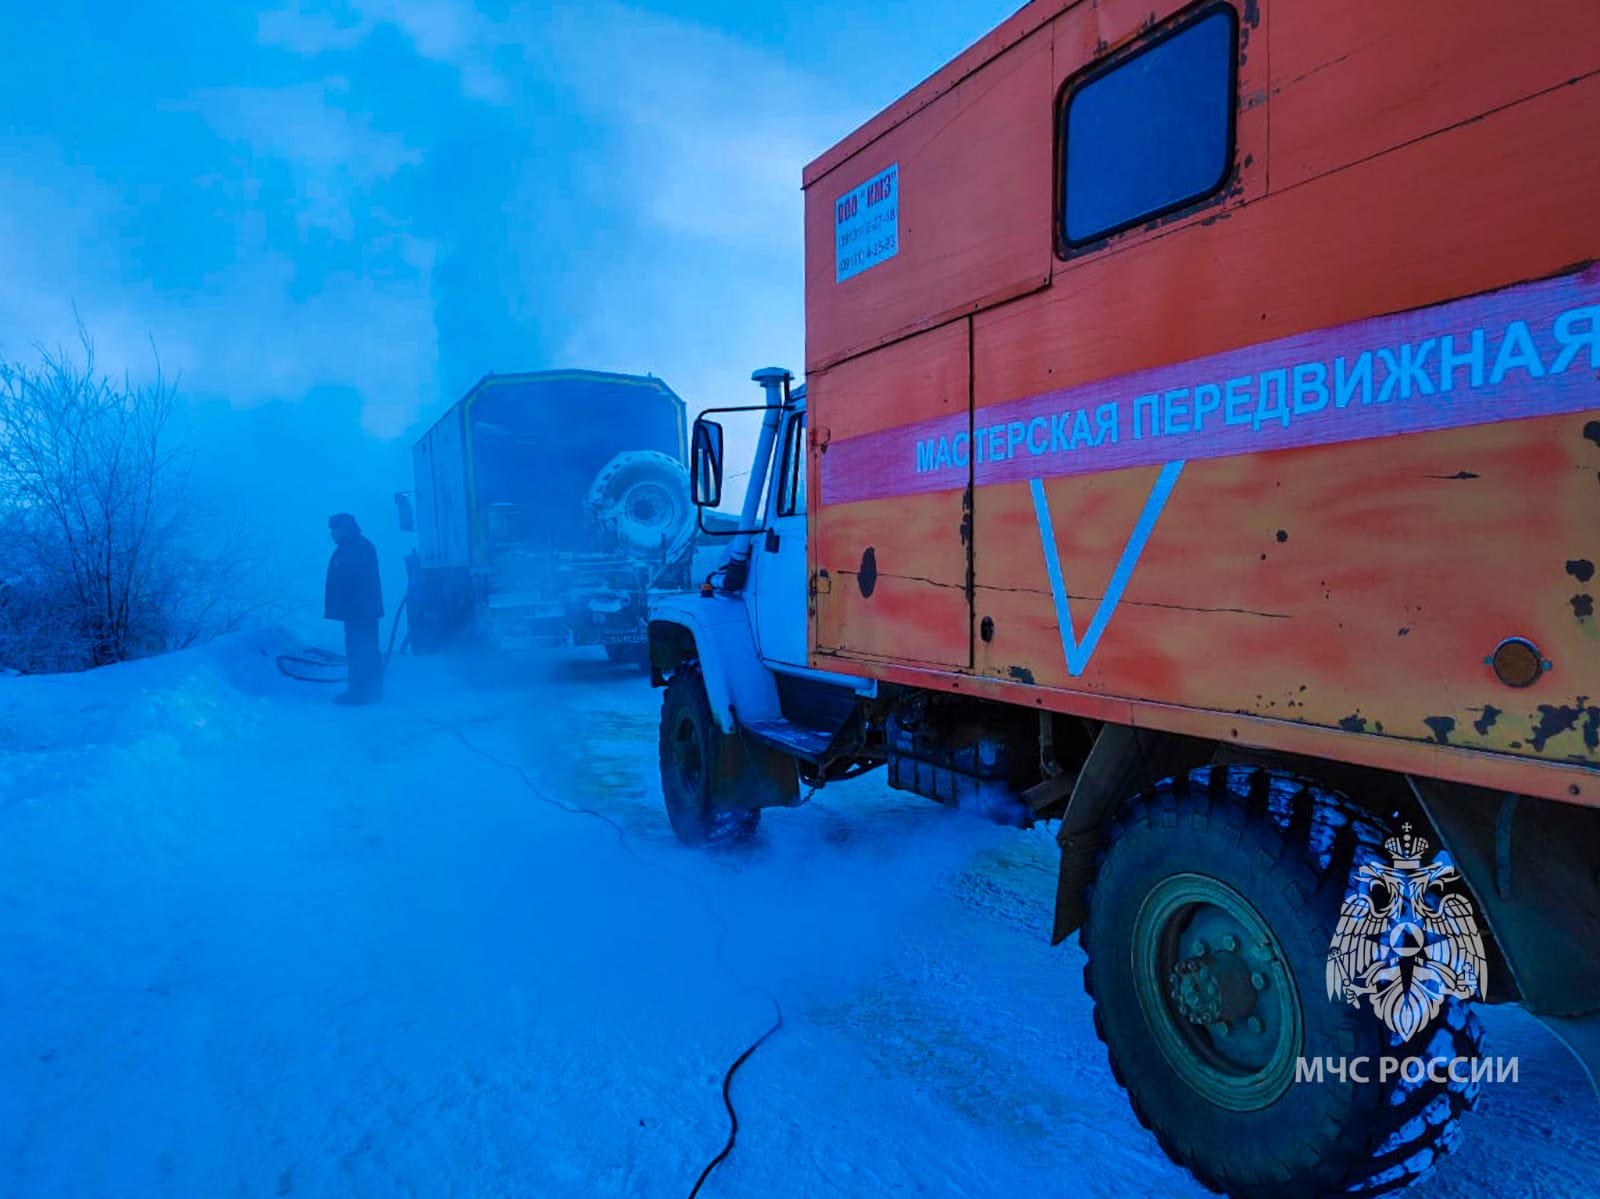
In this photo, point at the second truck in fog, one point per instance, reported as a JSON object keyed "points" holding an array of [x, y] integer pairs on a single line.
{"points": [[547, 506]]}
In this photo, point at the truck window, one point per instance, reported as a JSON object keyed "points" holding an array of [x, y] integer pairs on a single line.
{"points": [[1151, 133], [792, 479]]}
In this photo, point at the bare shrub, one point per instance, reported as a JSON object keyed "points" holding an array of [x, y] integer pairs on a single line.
{"points": [[106, 552]]}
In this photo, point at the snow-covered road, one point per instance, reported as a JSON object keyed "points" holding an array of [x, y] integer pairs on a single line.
{"points": [[253, 945]]}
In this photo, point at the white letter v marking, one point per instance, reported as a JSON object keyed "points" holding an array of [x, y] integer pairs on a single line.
{"points": [[1078, 652]]}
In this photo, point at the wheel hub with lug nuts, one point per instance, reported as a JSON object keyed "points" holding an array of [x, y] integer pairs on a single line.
{"points": [[1213, 988], [1216, 994]]}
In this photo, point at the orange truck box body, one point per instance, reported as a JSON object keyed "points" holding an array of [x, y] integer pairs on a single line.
{"points": [[1294, 460]]}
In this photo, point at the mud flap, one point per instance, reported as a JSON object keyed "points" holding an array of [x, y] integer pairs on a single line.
{"points": [[1533, 867], [755, 776], [1581, 1035]]}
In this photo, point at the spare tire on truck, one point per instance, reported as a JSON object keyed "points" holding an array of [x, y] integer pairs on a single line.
{"points": [[639, 506]]}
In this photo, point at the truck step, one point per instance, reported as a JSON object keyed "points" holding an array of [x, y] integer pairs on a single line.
{"points": [[797, 740]]}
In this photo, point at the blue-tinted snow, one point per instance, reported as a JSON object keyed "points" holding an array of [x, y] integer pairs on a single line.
{"points": [[251, 944]]}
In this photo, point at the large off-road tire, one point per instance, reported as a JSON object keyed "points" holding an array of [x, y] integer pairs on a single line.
{"points": [[695, 756], [1234, 877]]}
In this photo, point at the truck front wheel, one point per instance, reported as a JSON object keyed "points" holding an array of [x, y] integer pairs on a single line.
{"points": [[695, 759], [1210, 921]]}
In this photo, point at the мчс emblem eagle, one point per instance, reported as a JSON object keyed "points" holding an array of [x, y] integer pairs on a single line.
{"points": [[1403, 941]]}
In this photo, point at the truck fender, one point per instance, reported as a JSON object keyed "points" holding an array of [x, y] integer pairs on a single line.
{"points": [[1533, 869], [1123, 762], [714, 631]]}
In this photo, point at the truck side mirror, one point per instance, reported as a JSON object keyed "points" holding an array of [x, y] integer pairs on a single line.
{"points": [[705, 466], [408, 520]]}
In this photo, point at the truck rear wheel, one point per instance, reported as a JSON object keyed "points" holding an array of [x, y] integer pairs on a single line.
{"points": [[629, 653], [694, 766], [1208, 934]]}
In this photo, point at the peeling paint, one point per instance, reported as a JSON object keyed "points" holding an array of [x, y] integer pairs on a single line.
{"points": [[1403, 631], [1581, 569], [1582, 605], [1555, 720], [1021, 673], [1353, 724], [1442, 727], [1486, 722], [1282, 536], [1592, 431]]}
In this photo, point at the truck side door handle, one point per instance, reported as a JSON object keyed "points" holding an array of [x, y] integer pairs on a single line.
{"points": [[772, 541]]}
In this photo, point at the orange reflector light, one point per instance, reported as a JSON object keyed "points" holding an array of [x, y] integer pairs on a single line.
{"points": [[1517, 662]]}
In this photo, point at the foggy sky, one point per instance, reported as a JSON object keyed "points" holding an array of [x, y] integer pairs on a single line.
{"points": [[333, 218]]}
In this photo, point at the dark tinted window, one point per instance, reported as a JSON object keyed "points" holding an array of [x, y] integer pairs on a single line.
{"points": [[792, 482], [1153, 133]]}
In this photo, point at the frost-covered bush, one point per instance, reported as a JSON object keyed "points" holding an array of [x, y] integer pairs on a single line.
{"points": [[106, 552]]}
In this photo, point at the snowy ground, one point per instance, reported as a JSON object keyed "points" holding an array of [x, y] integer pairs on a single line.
{"points": [[253, 945]]}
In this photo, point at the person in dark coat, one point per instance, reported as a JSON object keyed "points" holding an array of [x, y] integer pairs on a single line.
{"points": [[354, 595]]}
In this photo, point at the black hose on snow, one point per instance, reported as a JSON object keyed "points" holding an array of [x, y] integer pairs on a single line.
{"points": [[323, 660], [705, 899]]}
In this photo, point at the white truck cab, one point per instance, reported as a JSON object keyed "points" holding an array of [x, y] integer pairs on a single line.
{"points": [[745, 717]]}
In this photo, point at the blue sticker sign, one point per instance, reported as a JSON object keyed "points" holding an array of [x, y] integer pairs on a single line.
{"points": [[866, 224]]}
